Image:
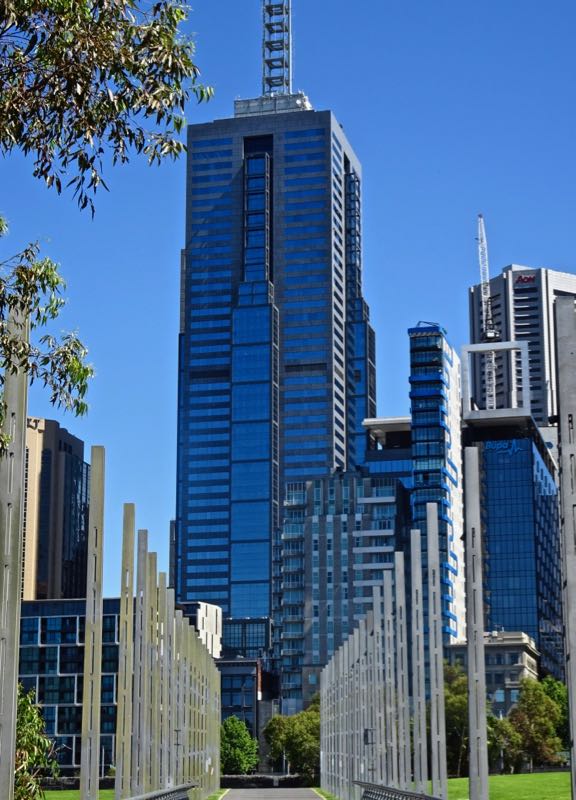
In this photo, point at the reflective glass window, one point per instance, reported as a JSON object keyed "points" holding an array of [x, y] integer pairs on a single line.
{"points": [[251, 440], [250, 520], [250, 599], [250, 561], [251, 402], [251, 362], [251, 480]]}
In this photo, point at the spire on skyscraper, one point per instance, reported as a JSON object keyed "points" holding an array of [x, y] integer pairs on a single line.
{"points": [[276, 48]]}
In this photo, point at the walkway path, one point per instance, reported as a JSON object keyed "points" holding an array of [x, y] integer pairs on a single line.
{"points": [[273, 794]]}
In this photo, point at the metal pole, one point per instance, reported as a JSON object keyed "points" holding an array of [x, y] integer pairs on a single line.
{"points": [[11, 527], [437, 715], [93, 633], [125, 658], [565, 348], [402, 692], [475, 630], [418, 666]]}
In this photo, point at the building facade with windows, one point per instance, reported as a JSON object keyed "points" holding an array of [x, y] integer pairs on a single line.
{"points": [[52, 664], [522, 302], [276, 354], [436, 420], [521, 531], [510, 657], [56, 504]]}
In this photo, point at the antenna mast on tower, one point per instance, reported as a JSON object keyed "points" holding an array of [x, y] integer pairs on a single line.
{"points": [[276, 48], [489, 332]]}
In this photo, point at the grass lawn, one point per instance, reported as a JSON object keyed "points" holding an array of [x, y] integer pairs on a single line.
{"points": [[540, 786]]}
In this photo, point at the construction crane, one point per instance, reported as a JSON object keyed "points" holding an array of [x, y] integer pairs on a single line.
{"points": [[489, 332]]}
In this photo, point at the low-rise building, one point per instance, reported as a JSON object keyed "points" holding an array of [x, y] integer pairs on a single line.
{"points": [[510, 657]]}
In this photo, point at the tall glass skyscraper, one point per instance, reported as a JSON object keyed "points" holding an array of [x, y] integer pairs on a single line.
{"points": [[437, 461], [276, 358]]}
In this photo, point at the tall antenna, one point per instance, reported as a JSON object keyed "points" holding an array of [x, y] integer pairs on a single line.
{"points": [[489, 332], [276, 48]]}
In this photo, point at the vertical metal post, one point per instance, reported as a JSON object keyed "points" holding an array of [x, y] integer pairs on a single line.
{"points": [[390, 683], [125, 658], [402, 691], [172, 691], [418, 666], [163, 691], [89, 772], [152, 716], [565, 313], [378, 679], [437, 715], [475, 630], [11, 526], [140, 686]]}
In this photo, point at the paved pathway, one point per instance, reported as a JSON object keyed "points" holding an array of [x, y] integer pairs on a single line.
{"points": [[273, 794]]}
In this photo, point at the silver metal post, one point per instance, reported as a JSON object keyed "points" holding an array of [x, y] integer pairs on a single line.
{"points": [[475, 630], [418, 666], [11, 526], [437, 715], [93, 633]]}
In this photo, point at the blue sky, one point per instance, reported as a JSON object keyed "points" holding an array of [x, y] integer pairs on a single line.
{"points": [[453, 108]]}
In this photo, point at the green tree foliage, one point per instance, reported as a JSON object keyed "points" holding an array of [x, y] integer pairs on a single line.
{"points": [[456, 709], [558, 692], [298, 739], [535, 717], [83, 81], [238, 750], [31, 288], [504, 745], [34, 750]]}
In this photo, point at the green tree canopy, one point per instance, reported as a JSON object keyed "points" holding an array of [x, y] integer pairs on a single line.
{"points": [[82, 83], [535, 717], [558, 692], [504, 745], [86, 80], [456, 711], [238, 750], [34, 750], [298, 739], [31, 289]]}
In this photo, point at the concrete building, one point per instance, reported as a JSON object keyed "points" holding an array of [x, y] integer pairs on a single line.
{"points": [[522, 302], [510, 657], [338, 539], [56, 503]]}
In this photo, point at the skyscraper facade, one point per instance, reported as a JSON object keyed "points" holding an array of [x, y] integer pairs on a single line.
{"points": [[56, 500], [276, 358], [435, 405], [521, 532], [522, 303]]}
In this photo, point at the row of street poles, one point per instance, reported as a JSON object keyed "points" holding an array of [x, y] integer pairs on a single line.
{"points": [[367, 734]]}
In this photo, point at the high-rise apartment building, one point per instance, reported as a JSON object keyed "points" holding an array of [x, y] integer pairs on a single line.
{"points": [[276, 359], [522, 303], [57, 481], [435, 404]]}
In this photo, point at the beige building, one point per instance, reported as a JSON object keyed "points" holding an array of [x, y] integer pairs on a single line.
{"points": [[56, 496], [510, 656]]}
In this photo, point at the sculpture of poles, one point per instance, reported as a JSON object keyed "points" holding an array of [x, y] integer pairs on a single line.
{"points": [[174, 707]]}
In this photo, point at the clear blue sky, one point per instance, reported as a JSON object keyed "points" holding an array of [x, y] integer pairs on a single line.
{"points": [[453, 108]]}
